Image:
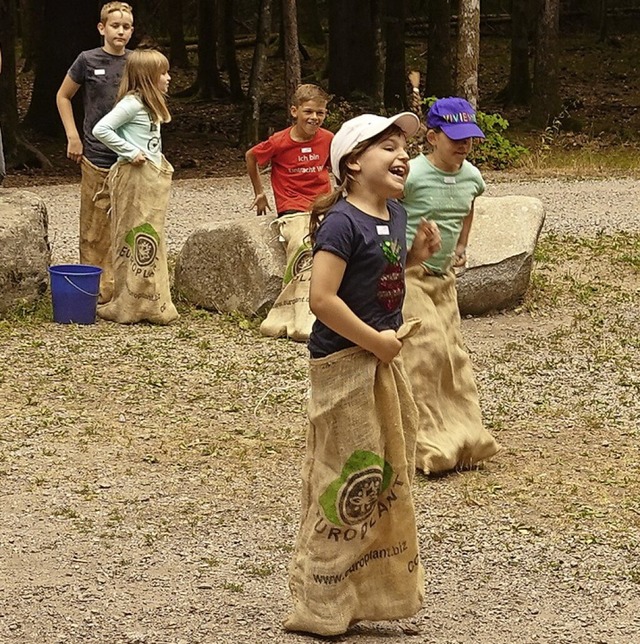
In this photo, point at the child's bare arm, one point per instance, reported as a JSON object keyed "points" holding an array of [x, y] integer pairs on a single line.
{"points": [[67, 91], [260, 203], [463, 239], [425, 243], [326, 275]]}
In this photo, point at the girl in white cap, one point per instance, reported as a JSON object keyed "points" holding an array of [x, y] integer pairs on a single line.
{"points": [[356, 555]]}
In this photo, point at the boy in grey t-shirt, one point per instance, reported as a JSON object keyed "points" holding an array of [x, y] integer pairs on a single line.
{"points": [[98, 72]]}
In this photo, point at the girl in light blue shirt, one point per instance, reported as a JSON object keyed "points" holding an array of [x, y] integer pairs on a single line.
{"points": [[140, 184]]}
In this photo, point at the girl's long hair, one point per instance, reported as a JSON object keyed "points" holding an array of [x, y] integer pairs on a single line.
{"points": [[141, 75], [323, 204]]}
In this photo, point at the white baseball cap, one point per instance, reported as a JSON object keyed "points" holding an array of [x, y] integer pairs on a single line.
{"points": [[364, 127]]}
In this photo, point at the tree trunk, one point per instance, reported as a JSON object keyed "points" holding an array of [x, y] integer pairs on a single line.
{"points": [[309, 25], [468, 50], [518, 89], [545, 102], [395, 84], [292, 73], [597, 17], [603, 27], [209, 82], [18, 152], [30, 28], [439, 63], [229, 47], [75, 19], [379, 51], [175, 25], [339, 51], [250, 131], [352, 57], [142, 19]]}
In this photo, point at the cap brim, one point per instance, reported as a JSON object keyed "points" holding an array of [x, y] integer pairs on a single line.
{"points": [[457, 131], [408, 122]]}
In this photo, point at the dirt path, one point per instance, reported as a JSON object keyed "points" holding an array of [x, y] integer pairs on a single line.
{"points": [[149, 477], [583, 207]]}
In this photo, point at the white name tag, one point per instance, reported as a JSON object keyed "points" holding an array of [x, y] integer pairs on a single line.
{"points": [[449, 179], [382, 230], [99, 72], [305, 150]]}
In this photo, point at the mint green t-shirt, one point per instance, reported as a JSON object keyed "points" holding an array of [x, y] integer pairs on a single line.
{"points": [[443, 197]]}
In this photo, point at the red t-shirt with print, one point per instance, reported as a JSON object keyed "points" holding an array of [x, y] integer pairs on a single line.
{"points": [[299, 169]]}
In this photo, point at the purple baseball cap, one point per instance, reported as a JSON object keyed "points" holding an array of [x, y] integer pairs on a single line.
{"points": [[455, 117]]}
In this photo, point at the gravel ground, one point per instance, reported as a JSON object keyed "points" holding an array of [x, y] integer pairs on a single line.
{"points": [[573, 207], [149, 476]]}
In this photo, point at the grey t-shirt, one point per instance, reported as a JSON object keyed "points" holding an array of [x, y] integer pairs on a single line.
{"points": [[99, 73]]}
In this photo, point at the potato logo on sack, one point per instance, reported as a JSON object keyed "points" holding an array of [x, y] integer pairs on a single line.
{"points": [[352, 498], [143, 242]]}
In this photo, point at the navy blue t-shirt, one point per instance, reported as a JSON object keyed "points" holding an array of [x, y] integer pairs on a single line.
{"points": [[375, 251]]}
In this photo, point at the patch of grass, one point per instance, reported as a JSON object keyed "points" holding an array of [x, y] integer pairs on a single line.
{"points": [[571, 155], [66, 512], [233, 587], [571, 268], [242, 321], [257, 571], [211, 562], [37, 311]]}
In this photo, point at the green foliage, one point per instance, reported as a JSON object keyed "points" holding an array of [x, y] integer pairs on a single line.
{"points": [[495, 151], [31, 311]]}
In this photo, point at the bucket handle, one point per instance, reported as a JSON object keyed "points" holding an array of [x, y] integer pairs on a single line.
{"points": [[80, 289]]}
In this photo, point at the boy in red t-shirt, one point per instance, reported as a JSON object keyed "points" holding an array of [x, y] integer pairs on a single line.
{"points": [[299, 156]]}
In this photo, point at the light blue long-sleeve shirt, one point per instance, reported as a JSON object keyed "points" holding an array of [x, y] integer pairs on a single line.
{"points": [[129, 129]]}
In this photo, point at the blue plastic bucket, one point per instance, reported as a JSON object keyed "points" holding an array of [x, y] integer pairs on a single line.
{"points": [[74, 293]]}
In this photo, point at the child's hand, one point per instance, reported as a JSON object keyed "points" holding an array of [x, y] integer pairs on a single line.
{"points": [[261, 204], [460, 258], [425, 243], [388, 346], [74, 149], [139, 160]]}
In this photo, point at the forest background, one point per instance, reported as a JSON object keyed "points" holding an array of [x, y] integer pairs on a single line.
{"points": [[556, 81]]}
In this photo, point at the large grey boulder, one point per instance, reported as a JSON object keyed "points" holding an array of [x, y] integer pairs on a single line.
{"points": [[232, 266], [25, 254], [500, 253], [238, 265]]}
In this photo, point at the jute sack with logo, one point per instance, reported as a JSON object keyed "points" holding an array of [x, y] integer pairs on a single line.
{"points": [[95, 225], [139, 199], [290, 315], [356, 556], [450, 432]]}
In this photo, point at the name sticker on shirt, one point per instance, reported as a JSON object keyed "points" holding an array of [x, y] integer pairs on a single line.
{"points": [[449, 179], [382, 230], [99, 72], [306, 150]]}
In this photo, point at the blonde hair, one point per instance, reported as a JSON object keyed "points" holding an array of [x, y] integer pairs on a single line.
{"points": [[142, 72], [323, 204], [111, 7], [310, 92]]}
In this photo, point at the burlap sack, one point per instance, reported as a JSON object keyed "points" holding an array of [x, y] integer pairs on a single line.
{"points": [[356, 554], [450, 434], [139, 198], [290, 315], [95, 225]]}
